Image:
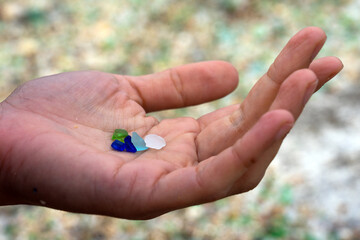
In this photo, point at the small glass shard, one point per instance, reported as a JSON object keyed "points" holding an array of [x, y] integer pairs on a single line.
{"points": [[154, 141], [118, 146], [138, 142], [120, 134], [129, 146]]}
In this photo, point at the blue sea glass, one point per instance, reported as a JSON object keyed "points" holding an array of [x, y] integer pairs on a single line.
{"points": [[118, 146], [138, 142], [129, 146]]}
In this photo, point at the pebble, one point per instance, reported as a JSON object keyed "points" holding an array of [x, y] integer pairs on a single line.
{"points": [[154, 141], [138, 142]]}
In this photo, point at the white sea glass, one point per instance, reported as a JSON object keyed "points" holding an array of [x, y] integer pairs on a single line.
{"points": [[154, 141]]}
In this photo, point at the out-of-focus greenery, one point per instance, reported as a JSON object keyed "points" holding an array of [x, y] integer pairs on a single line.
{"points": [[136, 37]]}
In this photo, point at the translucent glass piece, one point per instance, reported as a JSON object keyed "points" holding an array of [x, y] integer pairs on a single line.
{"points": [[120, 134], [138, 142], [154, 141], [129, 146], [118, 146]]}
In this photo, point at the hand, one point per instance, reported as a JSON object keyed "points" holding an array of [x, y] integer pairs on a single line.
{"points": [[56, 134]]}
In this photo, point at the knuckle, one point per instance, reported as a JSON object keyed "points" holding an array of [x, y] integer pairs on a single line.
{"points": [[274, 71], [177, 83]]}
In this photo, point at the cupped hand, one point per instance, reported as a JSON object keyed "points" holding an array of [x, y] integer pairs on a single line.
{"points": [[56, 134]]}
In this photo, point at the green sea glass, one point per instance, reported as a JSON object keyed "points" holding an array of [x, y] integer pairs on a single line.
{"points": [[120, 134]]}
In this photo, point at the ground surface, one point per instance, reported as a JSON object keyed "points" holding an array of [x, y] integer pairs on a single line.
{"points": [[311, 190]]}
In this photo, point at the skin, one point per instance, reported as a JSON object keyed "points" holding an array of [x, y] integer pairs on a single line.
{"points": [[56, 134]]}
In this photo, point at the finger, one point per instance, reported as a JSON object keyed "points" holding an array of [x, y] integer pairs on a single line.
{"points": [[214, 177], [292, 96], [237, 159], [256, 172], [185, 85], [295, 92], [220, 113], [297, 54], [325, 69]]}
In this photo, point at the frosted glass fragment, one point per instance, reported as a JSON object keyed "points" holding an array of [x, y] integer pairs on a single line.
{"points": [[129, 146], [138, 142], [154, 141], [119, 134], [118, 146]]}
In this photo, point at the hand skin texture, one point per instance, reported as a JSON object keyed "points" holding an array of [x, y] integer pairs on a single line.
{"points": [[55, 134]]}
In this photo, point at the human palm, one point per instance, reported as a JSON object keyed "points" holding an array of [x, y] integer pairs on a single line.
{"points": [[58, 134]]}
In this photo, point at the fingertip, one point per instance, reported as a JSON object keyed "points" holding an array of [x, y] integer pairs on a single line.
{"points": [[326, 63], [278, 117], [326, 68], [304, 78], [304, 73], [319, 36], [218, 79], [316, 29], [313, 31], [264, 132], [271, 127], [233, 74], [298, 53], [220, 172], [286, 120], [228, 74], [335, 59], [338, 68], [341, 64]]}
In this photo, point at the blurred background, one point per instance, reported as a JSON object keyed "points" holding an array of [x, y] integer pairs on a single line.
{"points": [[311, 190]]}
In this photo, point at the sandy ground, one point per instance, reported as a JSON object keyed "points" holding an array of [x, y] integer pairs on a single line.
{"points": [[322, 158]]}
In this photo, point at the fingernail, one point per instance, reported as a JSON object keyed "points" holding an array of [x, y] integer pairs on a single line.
{"points": [[284, 130], [309, 92]]}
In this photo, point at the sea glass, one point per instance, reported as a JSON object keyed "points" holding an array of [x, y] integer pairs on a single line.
{"points": [[118, 145], [129, 146], [138, 142], [120, 134], [154, 141]]}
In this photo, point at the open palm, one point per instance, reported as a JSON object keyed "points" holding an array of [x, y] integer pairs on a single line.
{"points": [[56, 134]]}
